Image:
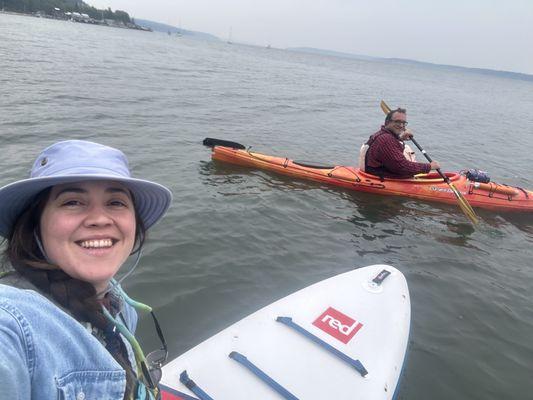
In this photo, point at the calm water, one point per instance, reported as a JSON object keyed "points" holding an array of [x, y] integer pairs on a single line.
{"points": [[237, 239]]}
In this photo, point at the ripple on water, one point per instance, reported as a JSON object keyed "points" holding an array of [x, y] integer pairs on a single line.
{"points": [[236, 239]]}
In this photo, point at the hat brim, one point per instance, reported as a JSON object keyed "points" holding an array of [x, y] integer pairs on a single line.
{"points": [[152, 200]]}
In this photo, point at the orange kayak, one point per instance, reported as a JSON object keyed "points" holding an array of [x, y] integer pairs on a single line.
{"points": [[430, 187]]}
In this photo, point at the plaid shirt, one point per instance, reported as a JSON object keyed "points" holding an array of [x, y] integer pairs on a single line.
{"points": [[385, 157]]}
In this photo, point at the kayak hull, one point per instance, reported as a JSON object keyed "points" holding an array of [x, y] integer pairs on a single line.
{"points": [[428, 187]]}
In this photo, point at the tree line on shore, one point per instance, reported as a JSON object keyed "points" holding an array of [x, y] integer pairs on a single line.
{"points": [[49, 7]]}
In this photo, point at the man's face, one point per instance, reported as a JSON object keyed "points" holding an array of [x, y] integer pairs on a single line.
{"points": [[397, 123]]}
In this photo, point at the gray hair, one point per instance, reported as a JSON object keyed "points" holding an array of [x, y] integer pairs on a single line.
{"points": [[391, 113]]}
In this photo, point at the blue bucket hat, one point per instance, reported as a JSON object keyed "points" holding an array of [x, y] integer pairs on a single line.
{"points": [[75, 161]]}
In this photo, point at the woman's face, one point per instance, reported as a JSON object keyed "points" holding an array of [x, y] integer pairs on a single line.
{"points": [[88, 229]]}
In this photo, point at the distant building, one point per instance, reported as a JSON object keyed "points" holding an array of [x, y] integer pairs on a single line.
{"points": [[79, 17]]}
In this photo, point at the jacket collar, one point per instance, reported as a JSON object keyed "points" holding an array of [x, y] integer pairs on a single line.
{"points": [[386, 130]]}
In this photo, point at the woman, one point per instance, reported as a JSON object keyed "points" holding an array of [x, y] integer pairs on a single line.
{"points": [[69, 228]]}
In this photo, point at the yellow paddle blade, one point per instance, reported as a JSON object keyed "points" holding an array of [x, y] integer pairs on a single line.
{"points": [[465, 206], [386, 109]]}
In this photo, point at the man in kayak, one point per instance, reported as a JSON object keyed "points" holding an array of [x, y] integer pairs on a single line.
{"points": [[383, 153]]}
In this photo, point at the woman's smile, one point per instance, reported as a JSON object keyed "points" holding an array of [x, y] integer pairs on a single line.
{"points": [[96, 243], [88, 229]]}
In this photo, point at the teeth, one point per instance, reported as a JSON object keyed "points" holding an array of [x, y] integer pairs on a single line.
{"points": [[94, 244]]}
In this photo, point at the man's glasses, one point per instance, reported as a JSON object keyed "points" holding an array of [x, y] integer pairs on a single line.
{"points": [[399, 122]]}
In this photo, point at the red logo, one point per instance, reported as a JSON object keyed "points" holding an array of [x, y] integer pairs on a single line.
{"points": [[338, 325]]}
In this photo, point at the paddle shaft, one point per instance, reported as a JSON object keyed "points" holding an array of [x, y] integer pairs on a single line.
{"points": [[463, 203], [446, 179]]}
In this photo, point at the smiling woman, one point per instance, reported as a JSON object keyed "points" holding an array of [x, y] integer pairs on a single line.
{"points": [[89, 229], [69, 229]]}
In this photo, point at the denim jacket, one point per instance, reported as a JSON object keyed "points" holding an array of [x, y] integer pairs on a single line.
{"points": [[47, 354]]}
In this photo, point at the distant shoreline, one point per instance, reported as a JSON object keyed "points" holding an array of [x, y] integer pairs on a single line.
{"points": [[405, 61], [108, 23], [160, 27], [14, 13]]}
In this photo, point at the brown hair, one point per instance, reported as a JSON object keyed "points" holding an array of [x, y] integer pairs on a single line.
{"points": [[77, 296]]}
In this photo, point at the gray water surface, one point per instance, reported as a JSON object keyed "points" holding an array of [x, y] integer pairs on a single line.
{"points": [[236, 239]]}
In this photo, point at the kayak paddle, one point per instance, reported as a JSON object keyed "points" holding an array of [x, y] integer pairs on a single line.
{"points": [[463, 203], [211, 142]]}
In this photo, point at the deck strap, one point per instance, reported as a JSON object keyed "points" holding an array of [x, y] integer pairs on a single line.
{"points": [[525, 192], [241, 359], [359, 367], [193, 387]]}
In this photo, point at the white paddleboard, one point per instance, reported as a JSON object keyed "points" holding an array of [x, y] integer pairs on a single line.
{"points": [[343, 338]]}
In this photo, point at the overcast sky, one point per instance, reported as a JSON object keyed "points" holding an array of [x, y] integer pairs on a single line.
{"points": [[495, 34]]}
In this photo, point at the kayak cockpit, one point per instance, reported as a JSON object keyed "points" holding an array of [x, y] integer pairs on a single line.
{"points": [[432, 177], [312, 164]]}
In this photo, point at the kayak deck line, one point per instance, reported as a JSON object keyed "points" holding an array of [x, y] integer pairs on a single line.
{"points": [[351, 171], [492, 187], [428, 187]]}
